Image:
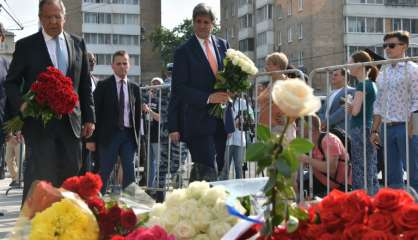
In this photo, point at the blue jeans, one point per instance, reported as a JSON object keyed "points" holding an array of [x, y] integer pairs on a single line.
{"points": [[396, 156], [122, 144], [235, 154], [152, 165]]}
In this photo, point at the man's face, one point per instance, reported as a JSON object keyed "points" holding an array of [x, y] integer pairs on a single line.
{"points": [[52, 19], [337, 79], [202, 26], [394, 48], [121, 66], [92, 62]]}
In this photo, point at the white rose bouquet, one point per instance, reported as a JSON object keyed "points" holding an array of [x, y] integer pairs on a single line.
{"points": [[234, 77], [197, 212]]}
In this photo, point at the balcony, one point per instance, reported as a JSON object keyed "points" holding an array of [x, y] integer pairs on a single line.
{"points": [[260, 3], [246, 33], [245, 9], [402, 3]]}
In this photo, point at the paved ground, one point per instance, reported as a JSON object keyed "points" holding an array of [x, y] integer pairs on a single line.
{"points": [[10, 206]]}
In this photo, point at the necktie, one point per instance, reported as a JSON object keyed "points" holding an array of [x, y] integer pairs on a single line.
{"points": [[61, 62], [121, 122], [212, 59]]}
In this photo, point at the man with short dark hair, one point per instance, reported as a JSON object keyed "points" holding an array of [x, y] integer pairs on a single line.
{"points": [[396, 101], [118, 111], [54, 150], [196, 64]]}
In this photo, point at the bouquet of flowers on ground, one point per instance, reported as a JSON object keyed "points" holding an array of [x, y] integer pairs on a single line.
{"points": [[390, 214], [51, 95], [234, 77], [198, 212]]}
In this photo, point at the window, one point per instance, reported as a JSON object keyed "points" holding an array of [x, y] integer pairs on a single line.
{"points": [[289, 8], [356, 24], [104, 18], [264, 13], [261, 38], [104, 38], [134, 59], [279, 11], [414, 26], [132, 19], [118, 18], [374, 25], [246, 45], [300, 59], [300, 5], [396, 24], [246, 21], [104, 59], [90, 17], [300, 31], [90, 38], [289, 34], [406, 24], [279, 38]]}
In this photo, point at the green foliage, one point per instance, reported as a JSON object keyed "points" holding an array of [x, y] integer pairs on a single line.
{"points": [[166, 41], [280, 162]]}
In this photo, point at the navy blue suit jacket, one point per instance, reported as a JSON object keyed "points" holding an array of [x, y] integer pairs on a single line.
{"points": [[193, 82]]}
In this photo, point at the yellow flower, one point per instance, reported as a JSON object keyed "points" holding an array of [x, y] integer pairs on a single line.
{"points": [[295, 98], [65, 220]]}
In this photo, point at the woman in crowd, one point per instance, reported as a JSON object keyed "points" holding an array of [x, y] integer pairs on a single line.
{"points": [[361, 109], [274, 62]]}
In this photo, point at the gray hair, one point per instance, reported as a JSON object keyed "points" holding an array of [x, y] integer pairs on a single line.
{"points": [[202, 9], [45, 2]]}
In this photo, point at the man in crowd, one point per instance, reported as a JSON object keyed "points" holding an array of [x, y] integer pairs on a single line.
{"points": [[118, 110], [396, 101], [54, 150], [196, 63], [331, 112]]}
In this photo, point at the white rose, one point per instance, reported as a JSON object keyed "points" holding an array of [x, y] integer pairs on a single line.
{"points": [[235, 60], [218, 229], [254, 70], [188, 208], [295, 98], [175, 197], [201, 219], [154, 221], [230, 52], [157, 210], [201, 237], [219, 210], [197, 189], [184, 230], [213, 194], [171, 217]]}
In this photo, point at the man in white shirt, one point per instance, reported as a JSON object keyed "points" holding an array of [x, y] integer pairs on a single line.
{"points": [[396, 100]]}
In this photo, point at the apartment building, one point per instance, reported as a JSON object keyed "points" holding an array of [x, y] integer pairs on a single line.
{"points": [[8, 46], [315, 33], [111, 25]]}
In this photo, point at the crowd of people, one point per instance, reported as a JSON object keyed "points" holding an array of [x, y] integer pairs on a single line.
{"points": [[168, 119]]}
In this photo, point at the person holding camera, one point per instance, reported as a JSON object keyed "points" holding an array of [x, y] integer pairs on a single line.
{"points": [[236, 141]]}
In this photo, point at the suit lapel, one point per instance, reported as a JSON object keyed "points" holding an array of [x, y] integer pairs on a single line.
{"points": [[114, 93], [44, 50], [70, 49], [198, 51]]}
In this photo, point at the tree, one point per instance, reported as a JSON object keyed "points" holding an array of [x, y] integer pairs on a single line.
{"points": [[166, 41]]}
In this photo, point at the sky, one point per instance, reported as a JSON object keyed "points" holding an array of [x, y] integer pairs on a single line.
{"points": [[172, 13]]}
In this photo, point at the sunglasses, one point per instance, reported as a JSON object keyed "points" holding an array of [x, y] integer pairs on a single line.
{"points": [[391, 45]]}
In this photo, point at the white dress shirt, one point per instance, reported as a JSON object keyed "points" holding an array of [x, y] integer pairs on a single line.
{"points": [[51, 45], [211, 47], [125, 91], [397, 92]]}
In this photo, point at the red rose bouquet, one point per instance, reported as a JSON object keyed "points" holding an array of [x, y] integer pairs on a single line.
{"points": [[51, 95], [390, 214]]}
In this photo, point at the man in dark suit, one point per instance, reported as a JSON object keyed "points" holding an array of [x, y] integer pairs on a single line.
{"points": [[54, 150], [118, 111], [196, 63]]}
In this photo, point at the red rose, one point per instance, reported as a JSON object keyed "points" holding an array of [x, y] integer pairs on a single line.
{"points": [[388, 199], [410, 235], [91, 184], [407, 217], [96, 204], [380, 221], [377, 235], [355, 231], [329, 236], [107, 227], [153, 233], [355, 207], [128, 219], [71, 184], [117, 237], [114, 214], [315, 230]]}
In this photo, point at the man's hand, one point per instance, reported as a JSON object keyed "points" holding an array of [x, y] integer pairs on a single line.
{"points": [[23, 107], [91, 146], [175, 137], [375, 139], [145, 108], [349, 107], [218, 97], [87, 130]]}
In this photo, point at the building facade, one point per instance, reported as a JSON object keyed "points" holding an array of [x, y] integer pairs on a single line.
{"points": [[108, 26], [8, 46], [315, 33]]}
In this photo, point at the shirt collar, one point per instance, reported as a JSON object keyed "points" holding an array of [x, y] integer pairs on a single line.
{"points": [[118, 79], [202, 41], [47, 37]]}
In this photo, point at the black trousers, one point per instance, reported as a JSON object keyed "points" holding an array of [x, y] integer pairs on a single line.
{"points": [[205, 151], [53, 153]]}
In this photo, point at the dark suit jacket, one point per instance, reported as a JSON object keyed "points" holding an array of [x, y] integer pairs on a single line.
{"points": [[107, 110], [31, 57], [193, 82]]}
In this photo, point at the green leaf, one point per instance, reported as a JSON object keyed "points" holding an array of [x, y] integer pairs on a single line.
{"points": [[258, 151], [269, 185], [301, 145], [263, 133], [299, 213], [291, 159], [292, 224], [283, 168]]}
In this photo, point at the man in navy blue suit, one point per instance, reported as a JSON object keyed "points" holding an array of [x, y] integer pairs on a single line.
{"points": [[196, 63]]}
